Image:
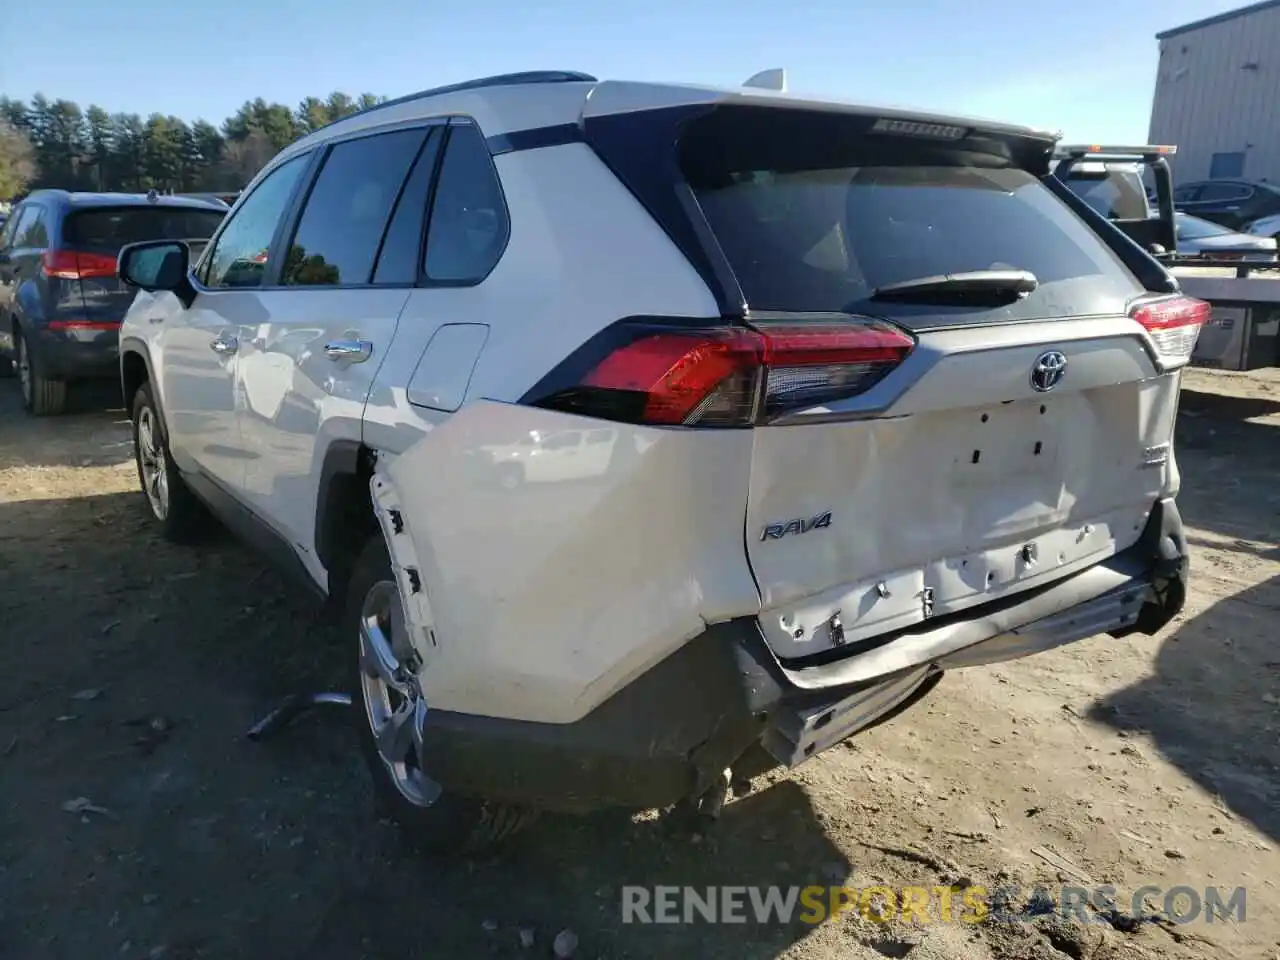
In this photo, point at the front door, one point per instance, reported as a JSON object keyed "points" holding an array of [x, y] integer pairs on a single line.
{"points": [[200, 346]]}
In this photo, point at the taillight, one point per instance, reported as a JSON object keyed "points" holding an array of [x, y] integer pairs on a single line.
{"points": [[70, 265], [1174, 324], [722, 376]]}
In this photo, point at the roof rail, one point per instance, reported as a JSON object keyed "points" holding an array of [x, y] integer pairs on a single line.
{"points": [[501, 80]]}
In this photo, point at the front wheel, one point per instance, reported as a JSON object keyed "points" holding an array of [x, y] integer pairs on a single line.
{"points": [[181, 516], [391, 715]]}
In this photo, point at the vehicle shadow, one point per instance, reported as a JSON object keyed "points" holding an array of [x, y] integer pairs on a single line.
{"points": [[1213, 703], [1229, 466], [130, 670], [1225, 406]]}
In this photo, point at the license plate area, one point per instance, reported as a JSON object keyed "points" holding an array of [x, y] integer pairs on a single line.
{"points": [[1005, 443]]}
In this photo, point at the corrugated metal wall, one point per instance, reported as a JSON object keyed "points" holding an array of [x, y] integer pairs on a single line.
{"points": [[1218, 91]]}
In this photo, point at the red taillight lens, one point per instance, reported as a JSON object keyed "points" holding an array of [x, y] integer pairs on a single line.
{"points": [[679, 377], [1174, 324], [728, 376], [70, 265], [92, 325]]}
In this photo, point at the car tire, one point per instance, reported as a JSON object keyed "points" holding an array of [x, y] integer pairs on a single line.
{"points": [[41, 396], [434, 820], [180, 514]]}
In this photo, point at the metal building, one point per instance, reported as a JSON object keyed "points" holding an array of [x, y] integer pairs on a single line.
{"points": [[1217, 95]]}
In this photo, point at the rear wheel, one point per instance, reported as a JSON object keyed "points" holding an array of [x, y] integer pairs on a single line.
{"points": [[390, 715], [181, 516], [41, 396]]}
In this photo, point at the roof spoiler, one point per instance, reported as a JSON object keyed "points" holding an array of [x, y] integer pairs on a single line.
{"points": [[1145, 152]]}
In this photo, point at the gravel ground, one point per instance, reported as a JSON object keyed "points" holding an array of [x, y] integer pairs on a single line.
{"points": [[137, 821]]}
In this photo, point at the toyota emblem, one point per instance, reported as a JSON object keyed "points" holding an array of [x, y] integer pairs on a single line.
{"points": [[1048, 370]]}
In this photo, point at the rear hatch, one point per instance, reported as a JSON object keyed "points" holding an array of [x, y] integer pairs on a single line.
{"points": [[1000, 417], [92, 238]]}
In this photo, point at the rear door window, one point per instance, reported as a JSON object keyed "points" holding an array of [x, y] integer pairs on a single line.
{"points": [[814, 213], [110, 228], [13, 227], [33, 232], [342, 224], [402, 246]]}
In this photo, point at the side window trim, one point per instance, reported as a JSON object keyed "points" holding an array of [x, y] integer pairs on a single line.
{"points": [[293, 215], [199, 274], [395, 204], [423, 279]]}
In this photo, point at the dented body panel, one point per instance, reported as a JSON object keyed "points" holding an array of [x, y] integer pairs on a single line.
{"points": [[546, 596], [937, 506]]}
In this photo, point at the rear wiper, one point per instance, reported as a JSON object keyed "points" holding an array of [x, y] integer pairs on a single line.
{"points": [[976, 287]]}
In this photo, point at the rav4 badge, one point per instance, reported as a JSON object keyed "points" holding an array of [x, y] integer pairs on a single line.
{"points": [[776, 531]]}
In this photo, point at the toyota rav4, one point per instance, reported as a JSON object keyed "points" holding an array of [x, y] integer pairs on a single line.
{"points": [[654, 435]]}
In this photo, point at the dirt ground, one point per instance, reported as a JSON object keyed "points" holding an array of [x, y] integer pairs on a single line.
{"points": [[130, 670]]}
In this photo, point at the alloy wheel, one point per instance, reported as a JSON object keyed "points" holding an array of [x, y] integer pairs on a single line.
{"points": [[151, 460], [393, 700]]}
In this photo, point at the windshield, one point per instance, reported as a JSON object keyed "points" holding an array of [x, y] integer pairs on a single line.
{"points": [[110, 228], [1193, 228], [815, 222]]}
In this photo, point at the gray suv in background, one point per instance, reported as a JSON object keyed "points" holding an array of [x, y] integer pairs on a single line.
{"points": [[60, 301]]}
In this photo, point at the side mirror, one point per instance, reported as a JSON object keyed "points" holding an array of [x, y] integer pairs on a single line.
{"points": [[157, 265], [1157, 250], [4, 257]]}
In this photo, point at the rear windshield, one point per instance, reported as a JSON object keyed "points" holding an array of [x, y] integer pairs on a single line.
{"points": [[113, 227], [814, 216]]}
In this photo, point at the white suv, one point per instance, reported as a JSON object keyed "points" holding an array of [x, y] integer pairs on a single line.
{"points": [[657, 434]]}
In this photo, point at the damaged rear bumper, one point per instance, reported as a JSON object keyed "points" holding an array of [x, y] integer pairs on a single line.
{"points": [[714, 702]]}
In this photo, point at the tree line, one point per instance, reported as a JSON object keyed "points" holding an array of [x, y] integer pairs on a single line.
{"points": [[53, 143]]}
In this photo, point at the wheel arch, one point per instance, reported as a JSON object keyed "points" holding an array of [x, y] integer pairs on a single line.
{"points": [[344, 510], [135, 370]]}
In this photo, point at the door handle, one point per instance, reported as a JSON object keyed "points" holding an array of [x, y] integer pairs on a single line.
{"points": [[224, 345], [352, 351]]}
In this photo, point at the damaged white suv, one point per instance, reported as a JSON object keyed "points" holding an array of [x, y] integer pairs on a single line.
{"points": [[655, 434]]}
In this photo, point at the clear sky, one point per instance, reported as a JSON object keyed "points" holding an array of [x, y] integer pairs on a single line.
{"points": [[1085, 67]]}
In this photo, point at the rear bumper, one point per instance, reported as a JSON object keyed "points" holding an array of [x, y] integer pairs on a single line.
{"points": [[76, 354], [710, 705]]}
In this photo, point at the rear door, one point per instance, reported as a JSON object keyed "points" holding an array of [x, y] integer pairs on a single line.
{"points": [[1014, 443], [308, 360], [91, 242]]}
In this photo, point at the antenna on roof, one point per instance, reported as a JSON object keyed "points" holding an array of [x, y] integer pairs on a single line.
{"points": [[769, 80]]}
